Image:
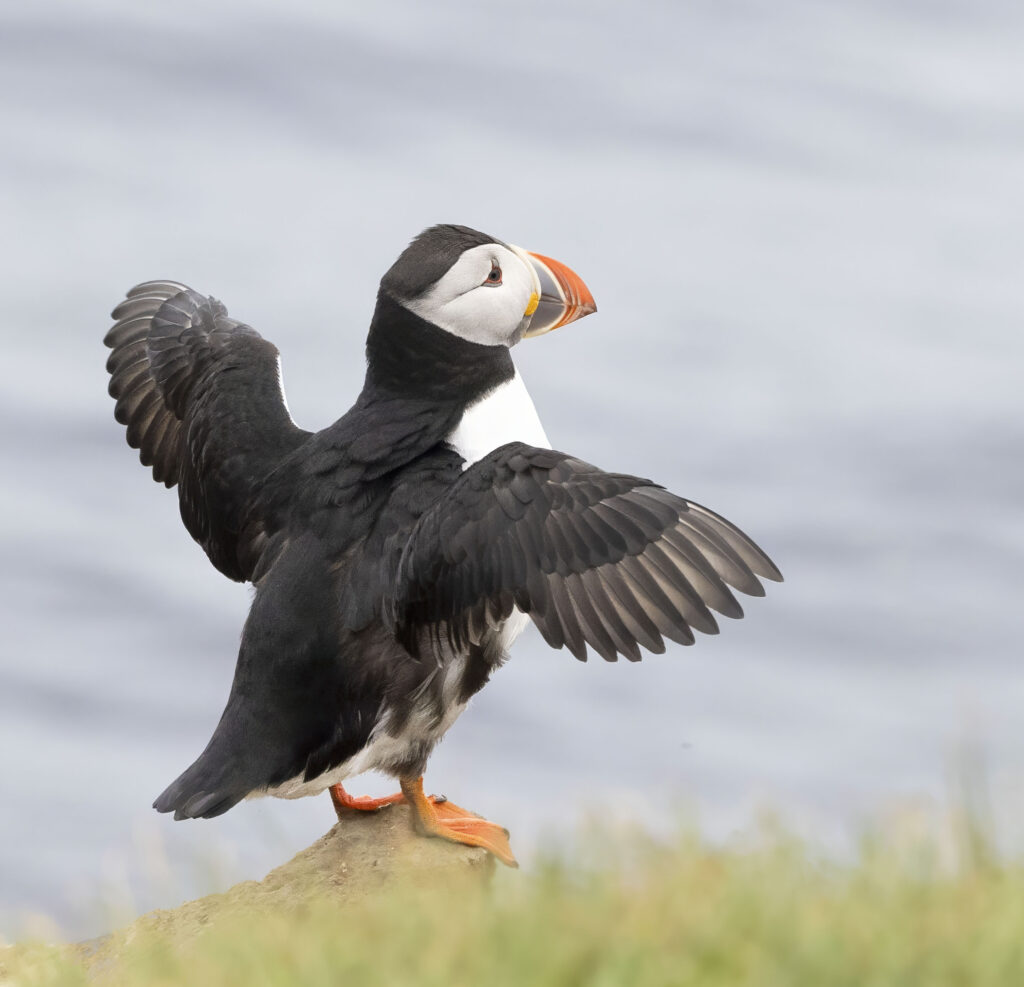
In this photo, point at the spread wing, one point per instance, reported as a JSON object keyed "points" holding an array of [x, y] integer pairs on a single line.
{"points": [[201, 398], [594, 558]]}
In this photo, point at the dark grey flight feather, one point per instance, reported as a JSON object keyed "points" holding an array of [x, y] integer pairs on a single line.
{"points": [[600, 559]]}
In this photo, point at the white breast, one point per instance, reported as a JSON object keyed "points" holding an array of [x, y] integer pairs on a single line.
{"points": [[506, 414]]}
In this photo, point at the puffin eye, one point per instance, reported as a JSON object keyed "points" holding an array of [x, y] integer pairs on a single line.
{"points": [[495, 276]]}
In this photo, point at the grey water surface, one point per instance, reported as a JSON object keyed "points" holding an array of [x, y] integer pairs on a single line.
{"points": [[804, 227]]}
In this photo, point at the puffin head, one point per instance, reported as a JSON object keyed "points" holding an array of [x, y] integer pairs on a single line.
{"points": [[484, 290]]}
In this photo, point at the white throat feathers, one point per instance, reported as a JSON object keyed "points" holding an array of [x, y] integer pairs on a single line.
{"points": [[503, 415]]}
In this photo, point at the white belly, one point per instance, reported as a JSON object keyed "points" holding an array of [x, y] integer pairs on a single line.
{"points": [[506, 414]]}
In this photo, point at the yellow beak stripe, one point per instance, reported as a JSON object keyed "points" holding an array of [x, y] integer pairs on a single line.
{"points": [[531, 306]]}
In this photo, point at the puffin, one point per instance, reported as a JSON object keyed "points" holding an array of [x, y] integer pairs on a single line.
{"points": [[397, 554]]}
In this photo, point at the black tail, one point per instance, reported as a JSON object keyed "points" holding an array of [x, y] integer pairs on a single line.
{"points": [[205, 790]]}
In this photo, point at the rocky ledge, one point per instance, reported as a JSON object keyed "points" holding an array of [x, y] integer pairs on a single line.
{"points": [[362, 854]]}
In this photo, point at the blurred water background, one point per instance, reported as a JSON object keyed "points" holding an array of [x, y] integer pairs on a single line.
{"points": [[804, 226]]}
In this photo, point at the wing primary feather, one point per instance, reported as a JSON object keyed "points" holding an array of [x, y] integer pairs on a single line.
{"points": [[703, 578], [726, 562], [619, 529], [745, 547], [609, 612], [609, 540], [161, 289], [122, 359], [151, 439], [594, 630], [567, 617], [550, 630], [128, 331], [658, 608], [632, 612], [679, 590], [741, 542], [650, 514], [137, 410]]}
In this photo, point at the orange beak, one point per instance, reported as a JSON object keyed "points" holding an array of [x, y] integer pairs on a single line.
{"points": [[562, 295]]}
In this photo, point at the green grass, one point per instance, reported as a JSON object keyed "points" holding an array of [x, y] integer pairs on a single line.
{"points": [[645, 913]]}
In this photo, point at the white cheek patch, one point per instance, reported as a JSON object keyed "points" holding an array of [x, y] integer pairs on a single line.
{"points": [[463, 304]]}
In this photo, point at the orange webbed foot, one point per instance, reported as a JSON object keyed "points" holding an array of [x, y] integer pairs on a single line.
{"points": [[438, 817]]}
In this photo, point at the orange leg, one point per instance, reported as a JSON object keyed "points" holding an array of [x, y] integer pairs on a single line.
{"points": [[361, 803], [436, 817], [366, 803]]}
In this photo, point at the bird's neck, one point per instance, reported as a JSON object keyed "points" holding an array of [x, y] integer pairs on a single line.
{"points": [[410, 358], [420, 381]]}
